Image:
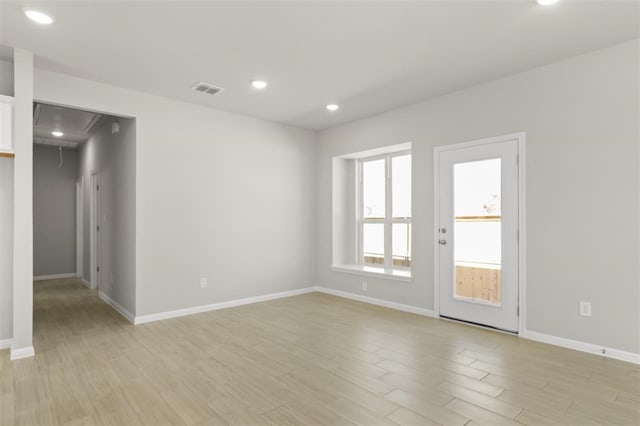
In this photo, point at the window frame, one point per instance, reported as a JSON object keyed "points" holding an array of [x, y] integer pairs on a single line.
{"points": [[388, 220]]}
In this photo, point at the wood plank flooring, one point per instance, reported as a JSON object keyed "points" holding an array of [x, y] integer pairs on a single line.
{"points": [[306, 360]]}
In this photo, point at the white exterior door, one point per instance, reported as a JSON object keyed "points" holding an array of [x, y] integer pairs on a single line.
{"points": [[477, 223]]}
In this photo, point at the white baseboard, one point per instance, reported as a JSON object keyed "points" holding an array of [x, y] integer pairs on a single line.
{"points": [[55, 277], [22, 353], [5, 344], [85, 282], [527, 334], [378, 302], [221, 305], [581, 346], [115, 305]]}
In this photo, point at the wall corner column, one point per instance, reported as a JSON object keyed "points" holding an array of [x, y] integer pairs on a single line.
{"points": [[22, 342]]}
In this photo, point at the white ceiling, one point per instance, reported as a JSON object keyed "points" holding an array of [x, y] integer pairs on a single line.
{"points": [[368, 57], [76, 125]]}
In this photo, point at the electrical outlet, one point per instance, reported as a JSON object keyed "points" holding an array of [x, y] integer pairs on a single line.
{"points": [[203, 282], [365, 286], [585, 309]]}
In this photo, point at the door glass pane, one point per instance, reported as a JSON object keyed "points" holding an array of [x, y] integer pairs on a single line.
{"points": [[478, 230], [401, 242], [373, 189], [401, 186], [373, 243]]}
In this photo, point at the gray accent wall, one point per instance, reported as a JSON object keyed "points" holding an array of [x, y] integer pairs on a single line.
{"points": [[54, 210], [113, 157], [581, 119]]}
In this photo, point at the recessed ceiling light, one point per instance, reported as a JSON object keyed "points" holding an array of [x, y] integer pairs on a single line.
{"points": [[39, 17], [57, 133], [546, 2], [259, 84], [332, 107]]}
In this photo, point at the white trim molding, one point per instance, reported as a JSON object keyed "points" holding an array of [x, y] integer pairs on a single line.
{"points": [[375, 272], [79, 225], [5, 344], [378, 302], [84, 282], [115, 305], [581, 346], [22, 353], [525, 334], [221, 305], [384, 150], [55, 277]]}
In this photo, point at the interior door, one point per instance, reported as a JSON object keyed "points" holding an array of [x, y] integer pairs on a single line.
{"points": [[477, 235]]}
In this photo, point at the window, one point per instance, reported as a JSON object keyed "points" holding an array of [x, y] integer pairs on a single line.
{"points": [[384, 210]]}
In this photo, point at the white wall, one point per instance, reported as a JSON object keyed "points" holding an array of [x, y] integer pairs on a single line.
{"points": [[234, 198], [219, 195], [6, 248], [6, 221], [581, 118], [21, 343], [113, 157], [54, 210], [6, 78]]}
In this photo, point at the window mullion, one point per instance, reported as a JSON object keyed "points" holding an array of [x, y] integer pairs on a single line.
{"points": [[388, 260], [359, 216]]}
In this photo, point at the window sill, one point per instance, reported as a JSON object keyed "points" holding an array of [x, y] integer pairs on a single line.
{"points": [[373, 271]]}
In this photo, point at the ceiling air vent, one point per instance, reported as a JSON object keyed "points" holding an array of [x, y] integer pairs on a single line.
{"points": [[207, 88]]}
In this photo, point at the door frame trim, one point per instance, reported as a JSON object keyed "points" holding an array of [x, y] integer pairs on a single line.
{"points": [[80, 227], [94, 221], [522, 223]]}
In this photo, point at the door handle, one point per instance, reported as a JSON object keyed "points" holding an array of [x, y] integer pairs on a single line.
{"points": [[442, 242]]}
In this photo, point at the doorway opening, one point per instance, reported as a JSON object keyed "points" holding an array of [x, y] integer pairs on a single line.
{"points": [[84, 204]]}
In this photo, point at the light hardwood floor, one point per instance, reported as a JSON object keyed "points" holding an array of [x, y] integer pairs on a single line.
{"points": [[309, 360]]}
